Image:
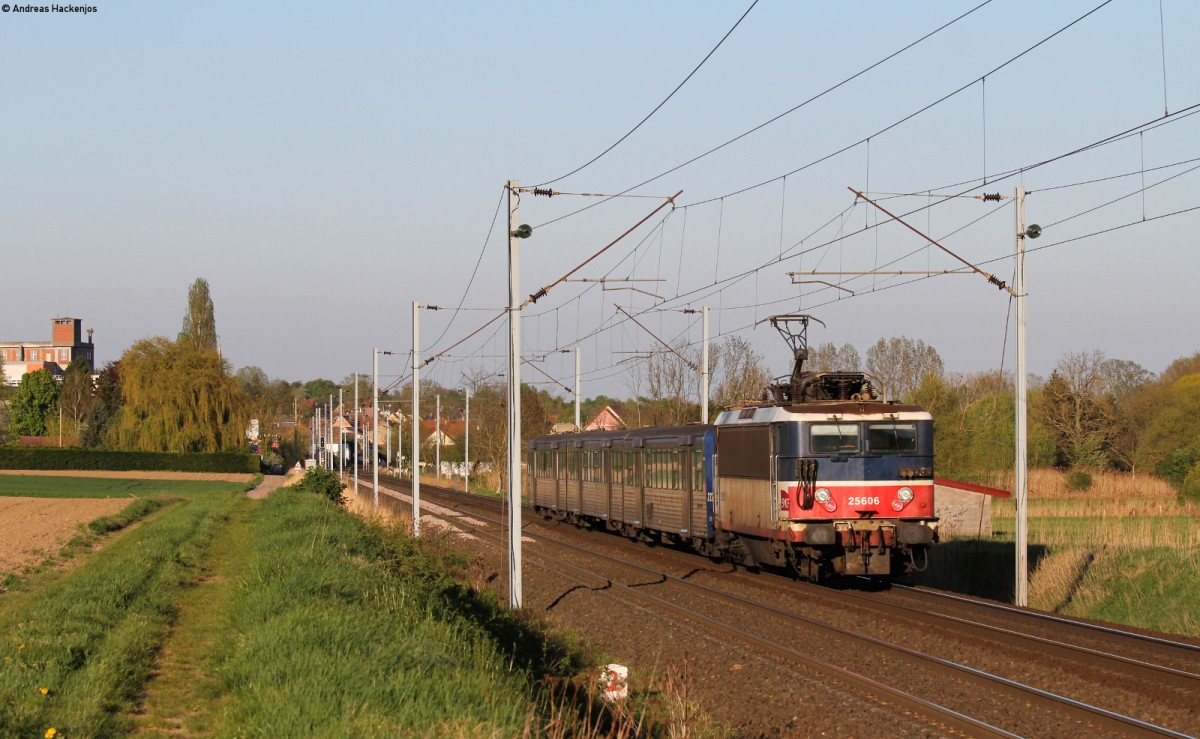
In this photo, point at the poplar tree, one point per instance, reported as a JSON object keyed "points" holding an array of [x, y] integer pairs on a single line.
{"points": [[181, 396], [199, 323]]}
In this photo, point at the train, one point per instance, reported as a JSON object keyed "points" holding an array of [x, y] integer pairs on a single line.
{"points": [[821, 474]]}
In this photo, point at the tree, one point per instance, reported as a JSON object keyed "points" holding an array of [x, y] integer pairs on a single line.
{"points": [[1173, 431], [105, 406], [901, 364], [178, 398], [320, 389], [199, 322], [1077, 409], [743, 372], [77, 391], [36, 395], [672, 386], [829, 358]]}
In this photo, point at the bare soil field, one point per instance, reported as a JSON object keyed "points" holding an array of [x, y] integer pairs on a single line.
{"points": [[136, 475], [32, 528]]}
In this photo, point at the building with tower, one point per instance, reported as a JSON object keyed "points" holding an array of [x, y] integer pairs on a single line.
{"points": [[18, 358]]}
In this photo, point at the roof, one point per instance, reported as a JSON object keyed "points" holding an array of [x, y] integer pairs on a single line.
{"points": [[694, 432], [971, 487], [605, 419]]}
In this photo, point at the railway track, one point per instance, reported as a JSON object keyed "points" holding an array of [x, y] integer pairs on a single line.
{"points": [[738, 610]]}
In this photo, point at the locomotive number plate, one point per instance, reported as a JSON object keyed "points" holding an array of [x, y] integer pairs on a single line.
{"points": [[863, 500]]}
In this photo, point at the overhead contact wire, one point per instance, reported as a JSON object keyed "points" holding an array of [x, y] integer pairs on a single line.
{"points": [[784, 114], [596, 158]]}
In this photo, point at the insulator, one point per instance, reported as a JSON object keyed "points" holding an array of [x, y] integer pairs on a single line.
{"points": [[995, 197], [543, 191]]}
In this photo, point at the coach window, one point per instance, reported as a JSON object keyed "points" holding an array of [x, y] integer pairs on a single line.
{"points": [[697, 470], [572, 463], [834, 438], [592, 471]]}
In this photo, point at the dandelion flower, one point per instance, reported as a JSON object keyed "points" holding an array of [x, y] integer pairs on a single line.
{"points": [[44, 691], [50, 733], [20, 646]]}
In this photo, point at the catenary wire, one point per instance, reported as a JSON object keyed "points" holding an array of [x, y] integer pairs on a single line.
{"points": [[596, 158], [784, 114]]}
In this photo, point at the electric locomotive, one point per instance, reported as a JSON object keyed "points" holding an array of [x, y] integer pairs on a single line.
{"points": [[821, 475]]}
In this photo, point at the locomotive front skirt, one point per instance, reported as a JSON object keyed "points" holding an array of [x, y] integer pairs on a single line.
{"points": [[825, 487]]}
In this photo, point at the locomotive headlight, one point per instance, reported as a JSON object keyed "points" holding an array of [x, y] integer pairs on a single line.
{"points": [[905, 495], [822, 495]]}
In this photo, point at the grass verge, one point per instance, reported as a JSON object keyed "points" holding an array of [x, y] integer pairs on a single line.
{"points": [[338, 627]]}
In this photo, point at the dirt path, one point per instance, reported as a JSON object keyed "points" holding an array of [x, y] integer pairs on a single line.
{"points": [[174, 703], [33, 528]]}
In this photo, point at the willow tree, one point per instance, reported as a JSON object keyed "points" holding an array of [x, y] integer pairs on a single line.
{"points": [[178, 397], [199, 322]]}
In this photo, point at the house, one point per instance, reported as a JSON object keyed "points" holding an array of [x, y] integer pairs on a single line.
{"points": [[432, 440], [19, 358], [605, 420]]}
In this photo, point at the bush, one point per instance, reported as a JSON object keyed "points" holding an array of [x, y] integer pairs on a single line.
{"points": [[322, 482], [1178, 465], [1190, 489], [34, 458], [1079, 480]]}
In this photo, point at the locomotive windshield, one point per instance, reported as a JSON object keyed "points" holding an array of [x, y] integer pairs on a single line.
{"points": [[841, 438], [892, 437], [834, 438]]}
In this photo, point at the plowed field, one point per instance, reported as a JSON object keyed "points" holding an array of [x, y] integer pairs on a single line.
{"points": [[32, 528]]}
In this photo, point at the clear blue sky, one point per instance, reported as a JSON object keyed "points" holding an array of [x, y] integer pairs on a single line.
{"points": [[322, 165]]}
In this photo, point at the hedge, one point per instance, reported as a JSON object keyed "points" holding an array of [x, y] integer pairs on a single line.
{"points": [[97, 459]]}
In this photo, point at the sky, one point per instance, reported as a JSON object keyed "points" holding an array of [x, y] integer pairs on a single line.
{"points": [[325, 165]]}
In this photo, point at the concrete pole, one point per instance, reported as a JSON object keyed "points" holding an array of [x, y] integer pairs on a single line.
{"points": [[467, 446], [356, 434], [375, 426], [1021, 475], [437, 438], [416, 419], [704, 371], [577, 426], [515, 579], [341, 435]]}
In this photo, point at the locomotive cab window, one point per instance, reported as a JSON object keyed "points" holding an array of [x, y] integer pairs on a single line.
{"points": [[834, 438], [892, 438]]}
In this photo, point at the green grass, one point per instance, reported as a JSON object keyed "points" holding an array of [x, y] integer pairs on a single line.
{"points": [[48, 486], [90, 639], [1153, 588], [338, 628], [220, 615], [1129, 565]]}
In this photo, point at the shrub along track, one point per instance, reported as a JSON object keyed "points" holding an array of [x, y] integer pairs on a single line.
{"points": [[955, 642]]}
